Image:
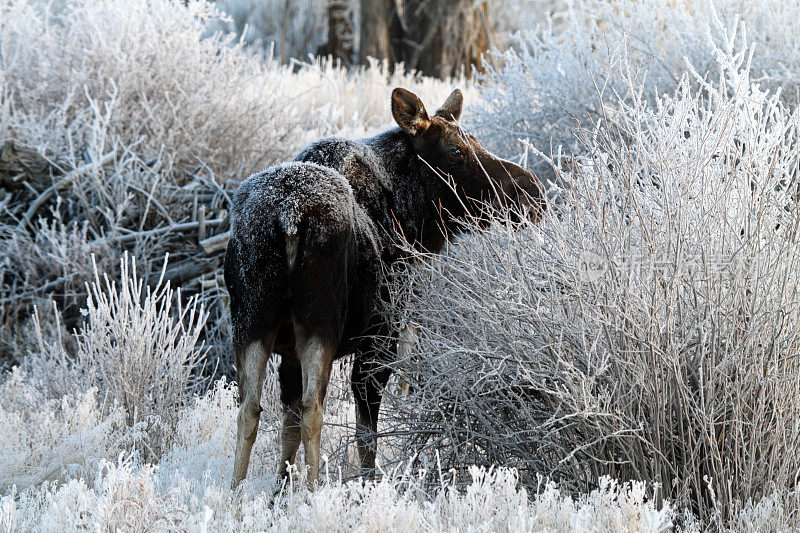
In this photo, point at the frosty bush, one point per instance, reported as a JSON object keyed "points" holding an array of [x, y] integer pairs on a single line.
{"points": [[51, 439], [136, 359], [552, 81], [135, 351], [649, 328], [188, 489], [125, 495], [56, 253], [164, 87], [95, 486]]}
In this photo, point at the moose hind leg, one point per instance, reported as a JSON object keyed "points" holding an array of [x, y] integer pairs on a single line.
{"points": [[250, 375], [316, 359], [368, 380], [291, 381]]}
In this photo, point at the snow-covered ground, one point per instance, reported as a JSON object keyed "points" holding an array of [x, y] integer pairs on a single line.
{"points": [[189, 488]]}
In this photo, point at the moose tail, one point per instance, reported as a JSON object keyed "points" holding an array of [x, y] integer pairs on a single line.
{"points": [[291, 231], [292, 243]]}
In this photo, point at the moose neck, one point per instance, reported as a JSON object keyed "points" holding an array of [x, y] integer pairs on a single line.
{"points": [[423, 205]]}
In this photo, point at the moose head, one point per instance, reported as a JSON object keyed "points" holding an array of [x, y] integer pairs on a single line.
{"points": [[476, 175]]}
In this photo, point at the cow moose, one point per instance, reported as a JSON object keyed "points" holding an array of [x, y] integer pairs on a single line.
{"points": [[310, 240]]}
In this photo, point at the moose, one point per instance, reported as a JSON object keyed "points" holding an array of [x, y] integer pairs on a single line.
{"points": [[310, 242]]}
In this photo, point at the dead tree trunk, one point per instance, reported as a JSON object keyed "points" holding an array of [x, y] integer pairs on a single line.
{"points": [[442, 36], [435, 37], [375, 37], [284, 45]]}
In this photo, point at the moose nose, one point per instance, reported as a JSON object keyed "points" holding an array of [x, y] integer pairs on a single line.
{"points": [[527, 189]]}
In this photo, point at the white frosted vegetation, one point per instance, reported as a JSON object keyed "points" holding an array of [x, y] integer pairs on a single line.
{"points": [[44, 439], [189, 490], [156, 83], [648, 328], [685, 386], [138, 350], [554, 79]]}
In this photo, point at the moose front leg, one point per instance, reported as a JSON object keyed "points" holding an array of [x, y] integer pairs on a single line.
{"points": [[368, 380]]}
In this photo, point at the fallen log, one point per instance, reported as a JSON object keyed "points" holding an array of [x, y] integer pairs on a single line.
{"points": [[190, 270], [21, 165], [215, 244], [38, 291], [175, 228]]}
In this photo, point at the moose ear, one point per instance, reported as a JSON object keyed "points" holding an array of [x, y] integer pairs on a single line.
{"points": [[451, 109], [408, 111]]}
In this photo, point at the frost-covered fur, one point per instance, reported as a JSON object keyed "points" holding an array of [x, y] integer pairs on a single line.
{"points": [[271, 209], [310, 241]]}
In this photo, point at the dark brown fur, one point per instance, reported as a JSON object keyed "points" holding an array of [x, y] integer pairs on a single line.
{"points": [[309, 242]]}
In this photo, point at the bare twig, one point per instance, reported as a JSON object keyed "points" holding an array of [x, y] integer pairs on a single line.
{"points": [[63, 182]]}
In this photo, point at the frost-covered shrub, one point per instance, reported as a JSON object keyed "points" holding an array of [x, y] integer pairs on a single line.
{"points": [[51, 439], [552, 81], [189, 488], [164, 87], [125, 495], [140, 353], [158, 83], [55, 253], [648, 329]]}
